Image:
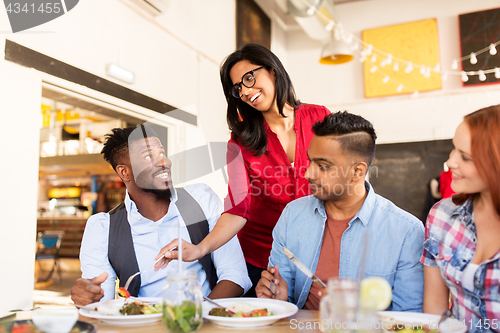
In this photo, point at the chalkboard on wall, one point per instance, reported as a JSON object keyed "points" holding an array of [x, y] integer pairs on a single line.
{"points": [[401, 172]]}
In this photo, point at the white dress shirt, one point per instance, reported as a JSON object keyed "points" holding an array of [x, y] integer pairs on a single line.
{"points": [[149, 237]]}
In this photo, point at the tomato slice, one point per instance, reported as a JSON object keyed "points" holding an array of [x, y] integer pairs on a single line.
{"points": [[123, 293], [259, 313]]}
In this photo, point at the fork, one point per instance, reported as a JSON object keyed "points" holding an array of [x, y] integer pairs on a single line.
{"points": [[127, 284], [218, 305]]}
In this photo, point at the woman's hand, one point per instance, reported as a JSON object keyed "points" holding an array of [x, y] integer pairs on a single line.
{"points": [[170, 252]]}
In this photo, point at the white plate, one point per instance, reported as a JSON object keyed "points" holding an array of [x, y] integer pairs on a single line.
{"points": [[89, 311], [450, 325], [280, 309]]}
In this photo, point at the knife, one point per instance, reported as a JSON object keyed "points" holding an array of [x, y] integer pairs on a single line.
{"points": [[303, 268]]}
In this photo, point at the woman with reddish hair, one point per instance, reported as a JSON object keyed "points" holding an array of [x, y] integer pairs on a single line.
{"points": [[462, 242]]}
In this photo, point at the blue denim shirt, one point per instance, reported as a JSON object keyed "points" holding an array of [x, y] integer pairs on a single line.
{"points": [[394, 249]]}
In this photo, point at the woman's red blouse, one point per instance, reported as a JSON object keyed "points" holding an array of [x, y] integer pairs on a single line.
{"points": [[261, 187]]}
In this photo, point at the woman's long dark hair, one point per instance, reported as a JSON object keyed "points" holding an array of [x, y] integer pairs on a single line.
{"points": [[243, 120]]}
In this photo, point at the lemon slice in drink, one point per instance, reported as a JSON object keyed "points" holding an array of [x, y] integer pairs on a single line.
{"points": [[169, 312], [375, 293]]}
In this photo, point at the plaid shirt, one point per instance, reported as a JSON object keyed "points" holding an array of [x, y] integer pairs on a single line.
{"points": [[450, 244]]}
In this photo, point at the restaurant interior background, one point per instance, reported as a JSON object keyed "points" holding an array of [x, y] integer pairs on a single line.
{"points": [[53, 122]]}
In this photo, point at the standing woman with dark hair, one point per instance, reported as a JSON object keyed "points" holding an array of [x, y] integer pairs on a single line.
{"points": [[462, 246], [267, 155]]}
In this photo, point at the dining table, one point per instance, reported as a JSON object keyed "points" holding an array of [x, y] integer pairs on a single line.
{"points": [[302, 321]]}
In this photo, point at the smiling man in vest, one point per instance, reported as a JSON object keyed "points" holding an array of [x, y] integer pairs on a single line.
{"points": [[128, 238]]}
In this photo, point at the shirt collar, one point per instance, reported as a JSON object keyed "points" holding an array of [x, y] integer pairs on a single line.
{"points": [[465, 210], [133, 212], [363, 214]]}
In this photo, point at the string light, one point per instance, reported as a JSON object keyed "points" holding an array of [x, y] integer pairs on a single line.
{"points": [[409, 68], [473, 58], [386, 79], [427, 72], [370, 50], [482, 77], [493, 49], [464, 77]]}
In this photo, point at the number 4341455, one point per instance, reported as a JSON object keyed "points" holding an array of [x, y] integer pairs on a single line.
{"points": [[47, 8]]}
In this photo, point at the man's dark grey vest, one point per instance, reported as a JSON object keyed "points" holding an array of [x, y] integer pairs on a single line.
{"points": [[121, 251]]}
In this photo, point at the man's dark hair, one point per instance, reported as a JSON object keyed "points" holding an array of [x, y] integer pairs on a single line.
{"points": [[355, 134], [115, 148]]}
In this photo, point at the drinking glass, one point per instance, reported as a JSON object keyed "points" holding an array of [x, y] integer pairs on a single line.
{"points": [[340, 310]]}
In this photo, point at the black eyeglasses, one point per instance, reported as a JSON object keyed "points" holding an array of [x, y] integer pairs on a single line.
{"points": [[248, 80]]}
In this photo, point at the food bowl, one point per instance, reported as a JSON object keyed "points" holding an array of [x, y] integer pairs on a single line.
{"points": [[55, 320]]}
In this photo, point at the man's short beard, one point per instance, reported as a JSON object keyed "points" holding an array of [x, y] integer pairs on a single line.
{"points": [[162, 194]]}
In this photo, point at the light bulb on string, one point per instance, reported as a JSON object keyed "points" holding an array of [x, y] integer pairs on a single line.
{"points": [[482, 77], [374, 57], [383, 63], [386, 79], [493, 49], [388, 60], [437, 69], [329, 26], [427, 72], [497, 73], [473, 58], [454, 65], [373, 69], [464, 77], [400, 88], [409, 67], [362, 58], [369, 49], [311, 11], [422, 70], [396, 66]]}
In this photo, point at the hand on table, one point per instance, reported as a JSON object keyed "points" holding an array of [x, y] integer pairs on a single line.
{"points": [[263, 288], [86, 291], [190, 252]]}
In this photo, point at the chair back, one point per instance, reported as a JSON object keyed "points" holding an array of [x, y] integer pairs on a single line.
{"points": [[48, 243]]}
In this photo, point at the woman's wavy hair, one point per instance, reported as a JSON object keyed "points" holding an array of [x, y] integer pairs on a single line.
{"points": [[484, 125], [244, 121]]}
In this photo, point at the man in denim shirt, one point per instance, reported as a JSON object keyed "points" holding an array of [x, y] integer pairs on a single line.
{"points": [[326, 230]]}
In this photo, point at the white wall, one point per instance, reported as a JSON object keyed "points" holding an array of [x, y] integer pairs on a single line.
{"points": [[175, 59], [20, 93], [432, 115]]}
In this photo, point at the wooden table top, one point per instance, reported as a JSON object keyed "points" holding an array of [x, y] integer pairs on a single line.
{"points": [[302, 321]]}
